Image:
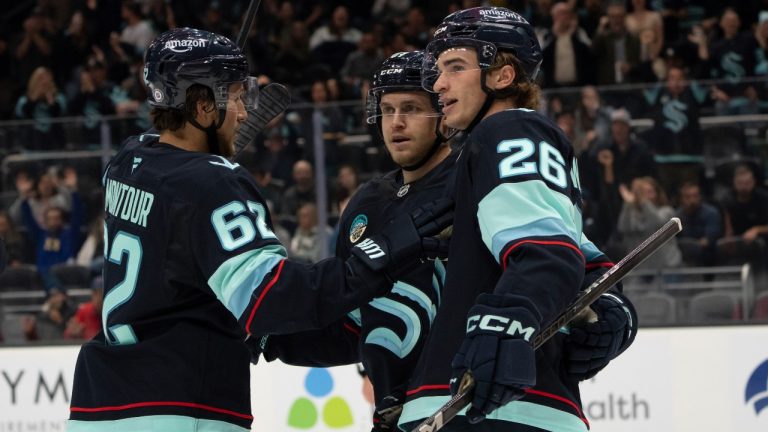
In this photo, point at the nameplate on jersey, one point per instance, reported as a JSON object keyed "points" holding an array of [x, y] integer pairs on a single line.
{"points": [[127, 202]]}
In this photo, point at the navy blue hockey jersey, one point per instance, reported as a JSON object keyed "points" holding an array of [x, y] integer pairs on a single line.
{"points": [[388, 333], [517, 231], [191, 266]]}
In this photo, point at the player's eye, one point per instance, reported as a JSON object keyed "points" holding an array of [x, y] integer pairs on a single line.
{"points": [[456, 68], [387, 110]]}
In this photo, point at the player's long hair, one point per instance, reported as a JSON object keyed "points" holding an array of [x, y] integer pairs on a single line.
{"points": [[523, 93], [174, 119]]}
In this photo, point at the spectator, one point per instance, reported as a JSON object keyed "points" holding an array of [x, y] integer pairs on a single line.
{"points": [[50, 323], [337, 29], [34, 47], [616, 162], [72, 48], [93, 101], [589, 16], [333, 124], [617, 52], [746, 212], [42, 195], [305, 243], [593, 121], [347, 183], [388, 10], [332, 42], [42, 102], [566, 50], [137, 32], [648, 27], [644, 211], [415, 29], [303, 189], [16, 244], [55, 242], [761, 36], [294, 56], [701, 222], [361, 64], [674, 108], [86, 322], [732, 56]]}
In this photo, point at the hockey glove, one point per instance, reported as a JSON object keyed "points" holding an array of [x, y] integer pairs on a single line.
{"points": [[387, 413], [497, 351], [591, 346], [407, 240]]}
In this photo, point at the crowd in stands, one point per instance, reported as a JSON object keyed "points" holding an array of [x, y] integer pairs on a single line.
{"points": [[606, 64]]}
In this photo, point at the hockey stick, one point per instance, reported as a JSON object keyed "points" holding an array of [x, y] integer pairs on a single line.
{"points": [[273, 98], [463, 397]]}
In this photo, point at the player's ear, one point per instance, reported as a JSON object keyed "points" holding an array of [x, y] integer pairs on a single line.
{"points": [[205, 112], [503, 77]]}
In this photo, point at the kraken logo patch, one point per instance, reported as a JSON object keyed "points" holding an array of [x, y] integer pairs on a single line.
{"points": [[359, 224]]}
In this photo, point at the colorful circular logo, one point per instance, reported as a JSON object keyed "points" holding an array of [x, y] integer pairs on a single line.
{"points": [[359, 224], [336, 412]]}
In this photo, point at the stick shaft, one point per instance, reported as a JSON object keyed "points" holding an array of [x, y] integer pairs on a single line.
{"points": [[463, 398], [250, 17]]}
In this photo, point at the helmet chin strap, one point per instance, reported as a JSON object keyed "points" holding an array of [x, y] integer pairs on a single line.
{"points": [[210, 132], [489, 98]]}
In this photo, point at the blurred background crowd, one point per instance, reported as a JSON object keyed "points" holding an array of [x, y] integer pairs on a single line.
{"points": [[665, 102]]}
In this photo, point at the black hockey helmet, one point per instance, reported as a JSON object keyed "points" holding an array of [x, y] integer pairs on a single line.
{"points": [[401, 72], [181, 57], [488, 30]]}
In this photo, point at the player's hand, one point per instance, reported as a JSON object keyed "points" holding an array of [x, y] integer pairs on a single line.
{"points": [[497, 351], [591, 346], [408, 239]]}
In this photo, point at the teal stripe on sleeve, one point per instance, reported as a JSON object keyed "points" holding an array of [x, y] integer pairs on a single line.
{"points": [[236, 279], [590, 251], [155, 423], [512, 207], [522, 412]]}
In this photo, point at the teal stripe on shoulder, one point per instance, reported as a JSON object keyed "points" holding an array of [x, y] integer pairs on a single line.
{"points": [[156, 423], [511, 207], [238, 277], [527, 413], [590, 251]]}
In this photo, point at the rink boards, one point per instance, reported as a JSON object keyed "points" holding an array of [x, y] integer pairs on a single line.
{"points": [[683, 379]]}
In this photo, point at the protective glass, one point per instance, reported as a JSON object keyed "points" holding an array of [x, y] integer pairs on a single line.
{"points": [[249, 95], [486, 54], [374, 113]]}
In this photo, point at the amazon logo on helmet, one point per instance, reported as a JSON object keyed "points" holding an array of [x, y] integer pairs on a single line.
{"points": [[182, 57]]}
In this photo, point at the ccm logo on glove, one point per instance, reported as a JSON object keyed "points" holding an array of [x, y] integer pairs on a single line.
{"points": [[500, 324], [371, 249]]}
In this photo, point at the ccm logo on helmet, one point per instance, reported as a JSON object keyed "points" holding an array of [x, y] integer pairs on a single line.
{"points": [[185, 45], [390, 71], [497, 323]]}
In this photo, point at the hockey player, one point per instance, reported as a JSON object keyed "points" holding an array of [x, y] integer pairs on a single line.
{"points": [[517, 255], [387, 334], [192, 264]]}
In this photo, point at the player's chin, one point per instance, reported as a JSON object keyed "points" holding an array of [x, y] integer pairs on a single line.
{"points": [[453, 122]]}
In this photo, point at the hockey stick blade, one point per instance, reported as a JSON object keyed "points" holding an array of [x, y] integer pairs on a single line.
{"points": [[463, 397], [273, 100]]}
